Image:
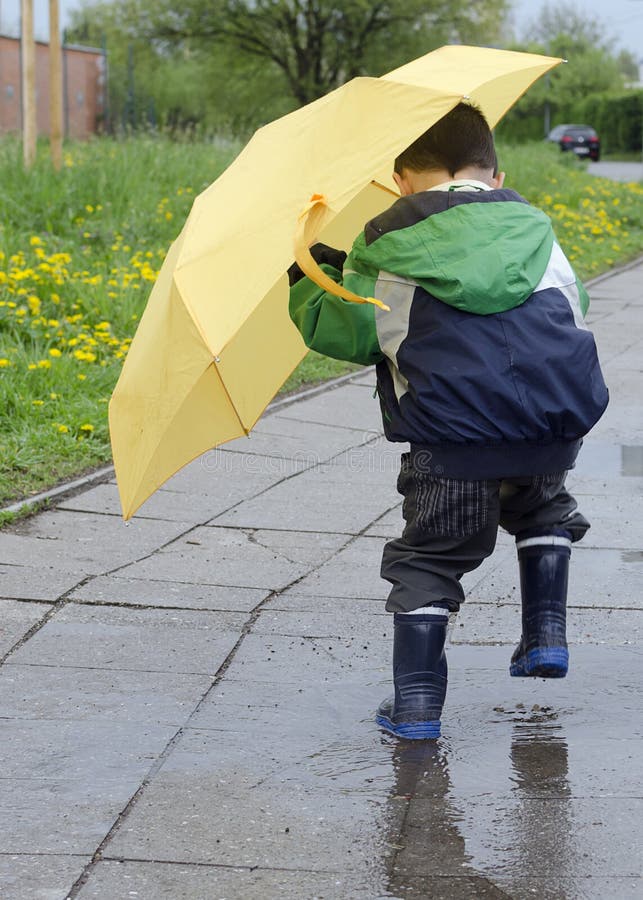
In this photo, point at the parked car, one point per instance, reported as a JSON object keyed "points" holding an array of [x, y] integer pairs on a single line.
{"points": [[580, 139]]}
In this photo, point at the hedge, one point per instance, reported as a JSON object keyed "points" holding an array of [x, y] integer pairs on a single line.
{"points": [[618, 119]]}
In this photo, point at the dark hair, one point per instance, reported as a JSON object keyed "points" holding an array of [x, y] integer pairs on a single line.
{"points": [[460, 139]]}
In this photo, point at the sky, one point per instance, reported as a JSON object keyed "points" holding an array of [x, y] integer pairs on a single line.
{"points": [[624, 21]]}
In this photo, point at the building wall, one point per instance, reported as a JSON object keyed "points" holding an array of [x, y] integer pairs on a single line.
{"points": [[83, 88]]}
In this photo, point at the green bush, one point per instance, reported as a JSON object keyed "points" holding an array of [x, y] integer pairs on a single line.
{"points": [[618, 118]]}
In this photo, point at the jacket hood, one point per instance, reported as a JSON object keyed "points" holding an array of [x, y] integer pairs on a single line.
{"points": [[479, 251]]}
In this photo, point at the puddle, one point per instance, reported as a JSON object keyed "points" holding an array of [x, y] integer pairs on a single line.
{"points": [[602, 460], [632, 556]]}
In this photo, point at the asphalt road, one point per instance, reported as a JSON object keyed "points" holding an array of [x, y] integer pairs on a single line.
{"points": [[617, 171]]}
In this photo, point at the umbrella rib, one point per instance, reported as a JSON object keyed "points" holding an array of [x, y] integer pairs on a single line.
{"points": [[215, 361]]}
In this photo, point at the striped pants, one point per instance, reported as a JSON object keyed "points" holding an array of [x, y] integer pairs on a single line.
{"points": [[452, 525]]}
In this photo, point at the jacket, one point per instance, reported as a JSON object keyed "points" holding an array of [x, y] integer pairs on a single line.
{"points": [[484, 362]]}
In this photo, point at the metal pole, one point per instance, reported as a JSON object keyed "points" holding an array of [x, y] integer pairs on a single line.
{"points": [[28, 46], [55, 87]]}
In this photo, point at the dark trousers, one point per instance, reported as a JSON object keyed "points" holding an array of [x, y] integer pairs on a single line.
{"points": [[451, 527]]}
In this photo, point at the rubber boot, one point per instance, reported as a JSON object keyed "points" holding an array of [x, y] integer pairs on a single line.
{"points": [[543, 558], [420, 676]]}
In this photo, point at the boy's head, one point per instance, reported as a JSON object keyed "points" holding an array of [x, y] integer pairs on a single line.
{"points": [[460, 144]]}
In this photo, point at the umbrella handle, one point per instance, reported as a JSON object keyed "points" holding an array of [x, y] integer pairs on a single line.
{"points": [[309, 224]]}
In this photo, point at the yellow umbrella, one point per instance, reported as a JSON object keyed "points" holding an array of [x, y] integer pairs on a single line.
{"points": [[215, 342]]}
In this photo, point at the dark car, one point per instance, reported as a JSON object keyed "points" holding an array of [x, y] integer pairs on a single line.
{"points": [[580, 139]]}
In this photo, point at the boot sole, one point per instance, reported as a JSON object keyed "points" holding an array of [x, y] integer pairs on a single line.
{"points": [[542, 662], [411, 731]]}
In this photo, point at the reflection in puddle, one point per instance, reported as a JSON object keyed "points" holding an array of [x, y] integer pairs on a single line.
{"points": [[600, 459], [478, 844], [429, 856], [541, 822]]}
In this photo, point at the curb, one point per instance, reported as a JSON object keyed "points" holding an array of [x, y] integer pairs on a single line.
{"points": [[78, 485]]}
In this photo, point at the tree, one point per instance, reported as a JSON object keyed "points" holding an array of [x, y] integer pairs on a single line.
{"points": [[177, 84], [574, 25], [563, 30], [319, 44]]}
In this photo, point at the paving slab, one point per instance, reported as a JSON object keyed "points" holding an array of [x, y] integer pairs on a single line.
{"points": [[357, 410], [37, 582], [353, 572], [40, 877], [176, 819], [334, 619], [617, 464], [116, 589], [324, 509], [41, 692], [608, 579], [302, 442], [89, 543], [621, 424], [616, 522], [229, 556], [49, 816], [91, 753], [177, 881], [16, 619], [318, 658], [204, 489], [149, 640], [488, 623]]}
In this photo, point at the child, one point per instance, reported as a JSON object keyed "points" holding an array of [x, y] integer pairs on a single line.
{"points": [[485, 367]]}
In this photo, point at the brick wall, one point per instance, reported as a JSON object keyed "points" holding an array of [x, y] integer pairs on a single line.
{"points": [[83, 88]]}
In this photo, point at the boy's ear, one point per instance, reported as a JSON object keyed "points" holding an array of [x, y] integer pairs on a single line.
{"points": [[498, 180], [402, 183]]}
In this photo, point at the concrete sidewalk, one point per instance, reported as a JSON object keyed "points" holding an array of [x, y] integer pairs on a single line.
{"points": [[187, 702]]}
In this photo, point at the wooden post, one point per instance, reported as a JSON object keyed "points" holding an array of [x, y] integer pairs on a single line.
{"points": [[28, 84], [55, 87]]}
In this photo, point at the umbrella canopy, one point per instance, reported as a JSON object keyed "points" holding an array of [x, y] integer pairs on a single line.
{"points": [[215, 342]]}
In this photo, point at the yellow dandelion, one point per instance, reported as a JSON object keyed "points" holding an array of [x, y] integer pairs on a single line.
{"points": [[62, 429], [4, 362], [37, 402], [87, 427], [55, 352], [81, 376]]}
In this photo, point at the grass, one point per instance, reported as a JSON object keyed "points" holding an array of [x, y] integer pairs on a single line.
{"points": [[80, 251]]}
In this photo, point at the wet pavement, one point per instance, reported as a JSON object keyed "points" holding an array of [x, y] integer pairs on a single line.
{"points": [[187, 702]]}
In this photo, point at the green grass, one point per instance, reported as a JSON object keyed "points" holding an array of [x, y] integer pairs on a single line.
{"points": [[79, 252]]}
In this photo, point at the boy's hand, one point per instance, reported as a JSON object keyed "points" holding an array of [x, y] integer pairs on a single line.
{"points": [[321, 253]]}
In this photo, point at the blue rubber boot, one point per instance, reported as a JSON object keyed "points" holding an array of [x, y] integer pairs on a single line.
{"points": [[420, 676], [543, 558]]}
